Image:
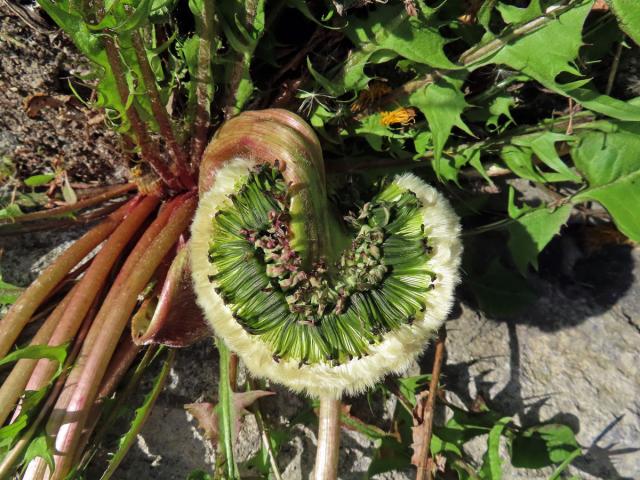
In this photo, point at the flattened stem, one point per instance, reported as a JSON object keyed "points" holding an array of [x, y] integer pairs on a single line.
{"points": [[279, 138]]}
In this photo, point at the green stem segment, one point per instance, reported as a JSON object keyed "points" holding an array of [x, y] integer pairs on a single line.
{"points": [[225, 401]]}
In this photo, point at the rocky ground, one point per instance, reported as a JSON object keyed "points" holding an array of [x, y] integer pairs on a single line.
{"points": [[571, 357]]}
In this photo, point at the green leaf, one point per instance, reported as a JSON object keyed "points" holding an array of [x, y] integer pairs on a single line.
{"points": [[628, 15], [39, 448], [442, 102], [260, 461], [8, 293], [141, 415], [389, 455], [10, 211], [611, 165], [39, 180], [500, 291], [59, 354], [409, 386], [543, 445], [531, 232], [524, 54], [513, 14], [543, 146], [386, 33], [492, 464]]}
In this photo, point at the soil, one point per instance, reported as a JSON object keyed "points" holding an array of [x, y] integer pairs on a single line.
{"points": [[57, 130]]}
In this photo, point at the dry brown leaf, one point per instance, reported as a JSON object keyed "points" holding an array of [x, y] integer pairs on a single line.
{"points": [[206, 414]]}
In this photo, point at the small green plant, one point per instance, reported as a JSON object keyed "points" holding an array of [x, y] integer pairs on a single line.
{"points": [[468, 94]]}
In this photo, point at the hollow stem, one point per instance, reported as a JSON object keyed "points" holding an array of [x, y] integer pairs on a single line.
{"points": [[90, 284], [20, 313], [326, 467], [178, 155], [113, 317]]}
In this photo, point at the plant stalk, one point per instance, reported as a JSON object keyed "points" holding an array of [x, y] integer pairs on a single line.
{"points": [[326, 467], [112, 192], [178, 155], [424, 465], [90, 284], [20, 313], [113, 318], [14, 385], [205, 27], [149, 151], [226, 423]]}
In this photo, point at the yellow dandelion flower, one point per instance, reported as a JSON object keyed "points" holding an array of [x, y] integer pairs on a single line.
{"points": [[401, 116]]}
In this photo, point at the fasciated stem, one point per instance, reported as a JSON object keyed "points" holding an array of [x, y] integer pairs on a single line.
{"points": [[176, 152], [112, 319], [22, 310], [326, 467]]}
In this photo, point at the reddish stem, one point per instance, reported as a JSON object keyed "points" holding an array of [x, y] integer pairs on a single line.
{"points": [[112, 319], [89, 286], [14, 385], [20, 313], [149, 151], [424, 471], [162, 117], [23, 228]]}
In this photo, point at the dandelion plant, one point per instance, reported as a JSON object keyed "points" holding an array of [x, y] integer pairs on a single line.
{"points": [[316, 258]]}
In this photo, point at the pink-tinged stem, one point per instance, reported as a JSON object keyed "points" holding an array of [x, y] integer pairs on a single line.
{"points": [[14, 385], [20, 313], [15, 454], [149, 150], [326, 467], [113, 319], [89, 286], [122, 360]]}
